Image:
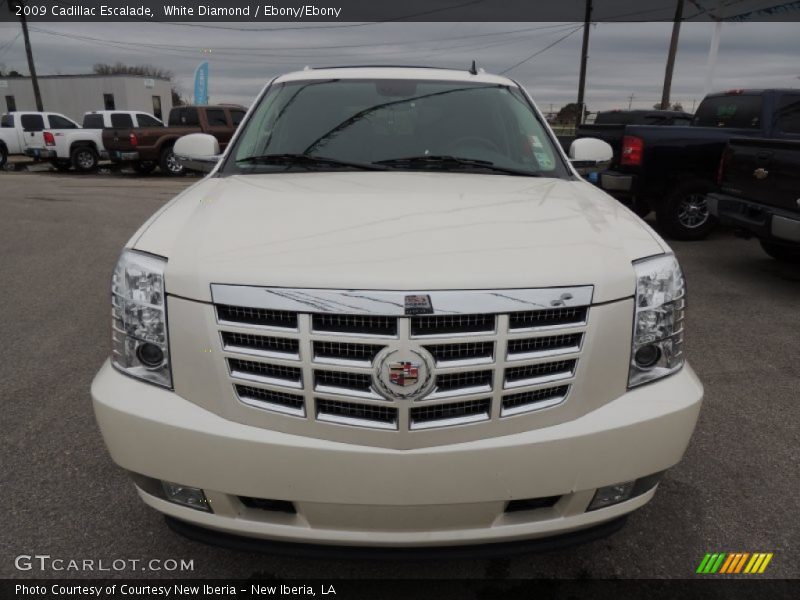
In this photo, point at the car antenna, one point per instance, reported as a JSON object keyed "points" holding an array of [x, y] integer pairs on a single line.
{"points": [[473, 69]]}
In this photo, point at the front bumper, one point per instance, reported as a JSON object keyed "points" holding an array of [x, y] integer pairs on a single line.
{"points": [[348, 494], [765, 222]]}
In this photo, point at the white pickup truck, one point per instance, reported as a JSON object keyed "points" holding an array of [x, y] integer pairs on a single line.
{"points": [[393, 314], [83, 148], [22, 130]]}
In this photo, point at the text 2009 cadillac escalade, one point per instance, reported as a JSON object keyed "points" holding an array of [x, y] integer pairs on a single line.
{"points": [[394, 315]]}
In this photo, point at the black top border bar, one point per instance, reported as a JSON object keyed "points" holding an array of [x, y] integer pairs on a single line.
{"points": [[350, 13]]}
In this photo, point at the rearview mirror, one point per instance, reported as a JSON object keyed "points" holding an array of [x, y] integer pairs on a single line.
{"points": [[197, 152], [590, 153]]}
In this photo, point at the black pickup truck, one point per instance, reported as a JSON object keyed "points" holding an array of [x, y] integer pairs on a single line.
{"points": [[672, 169], [609, 125], [759, 183]]}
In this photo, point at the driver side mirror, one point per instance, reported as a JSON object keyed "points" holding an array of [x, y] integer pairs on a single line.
{"points": [[590, 154], [197, 152]]}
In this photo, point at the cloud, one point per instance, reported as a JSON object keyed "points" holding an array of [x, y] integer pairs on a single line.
{"points": [[624, 59]]}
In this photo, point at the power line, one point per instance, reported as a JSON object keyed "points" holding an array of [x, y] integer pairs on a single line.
{"points": [[7, 45], [538, 52], [193, 47]]}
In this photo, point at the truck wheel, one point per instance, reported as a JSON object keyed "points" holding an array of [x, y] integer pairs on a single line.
{"points": [[84, 159], [169, 164], [683, 214], [3, 156], [781, 252], [144, 167]]}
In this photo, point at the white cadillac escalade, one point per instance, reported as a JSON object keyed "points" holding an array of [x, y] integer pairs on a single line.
{"points": [[393, 314]]}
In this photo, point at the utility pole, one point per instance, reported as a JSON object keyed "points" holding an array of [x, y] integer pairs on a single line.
{"points": [[584, 56], [630, 100], [673, 48], [31, 67]]}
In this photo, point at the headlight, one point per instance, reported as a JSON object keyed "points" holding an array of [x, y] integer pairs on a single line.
{"points": [[140, 346], [657, 348]]}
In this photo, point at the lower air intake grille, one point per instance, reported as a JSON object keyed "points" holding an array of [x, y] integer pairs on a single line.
{"points": [[531, 503], [283, 506]]}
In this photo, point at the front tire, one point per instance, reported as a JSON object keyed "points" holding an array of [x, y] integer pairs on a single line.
{"points": [[683, 214], [781, 252], [169, 163], [84, 159]]}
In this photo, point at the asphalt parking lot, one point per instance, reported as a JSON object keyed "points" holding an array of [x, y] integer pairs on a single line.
{"points": [[736, 489]]}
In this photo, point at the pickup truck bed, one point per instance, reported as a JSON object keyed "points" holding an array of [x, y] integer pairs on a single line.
{"points": [[760, 193]]}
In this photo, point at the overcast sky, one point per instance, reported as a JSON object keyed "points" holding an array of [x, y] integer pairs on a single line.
{"points": [[624, 58]]}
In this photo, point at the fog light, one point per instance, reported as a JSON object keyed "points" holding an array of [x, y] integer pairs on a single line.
{"points": [[647, 356], [186, 496], [611, 494], [150, 355]]}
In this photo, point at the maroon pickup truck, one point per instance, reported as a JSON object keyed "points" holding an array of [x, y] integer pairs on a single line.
{"points": [[144, 148]]}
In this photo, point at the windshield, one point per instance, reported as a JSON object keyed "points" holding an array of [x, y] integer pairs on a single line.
{"points": [[395, 125]]}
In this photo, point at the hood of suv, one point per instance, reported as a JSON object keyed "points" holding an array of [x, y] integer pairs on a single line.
{"points": [[397, 231]]}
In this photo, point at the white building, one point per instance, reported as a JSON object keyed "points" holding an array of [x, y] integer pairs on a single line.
{"points": [[74, 95]]}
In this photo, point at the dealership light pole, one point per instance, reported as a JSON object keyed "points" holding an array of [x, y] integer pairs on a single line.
{"points": [[584, 56], [31, 67], [673, 48]]}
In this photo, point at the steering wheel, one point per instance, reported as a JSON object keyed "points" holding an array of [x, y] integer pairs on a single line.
{"points": [[473, 140]]}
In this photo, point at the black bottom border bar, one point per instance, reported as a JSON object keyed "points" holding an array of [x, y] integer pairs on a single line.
{"points": [[405, 589]]}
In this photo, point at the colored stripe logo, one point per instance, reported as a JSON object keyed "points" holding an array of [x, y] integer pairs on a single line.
{"points": [[734, 563]]}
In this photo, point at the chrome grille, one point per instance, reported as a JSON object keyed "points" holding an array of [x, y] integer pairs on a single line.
{"points": [[342, 381], [260, 345], [453, 413], [355, 324], [256, 316], [344, 352], [551, 317], [452, 325], [319, 364], [291, 404], [265, 372], [515, 404], [452, 354], [350, 413], [539, 373]]}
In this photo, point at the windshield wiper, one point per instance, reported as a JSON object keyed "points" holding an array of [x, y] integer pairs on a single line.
{"points": [[307, 160], [451, 162]]}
